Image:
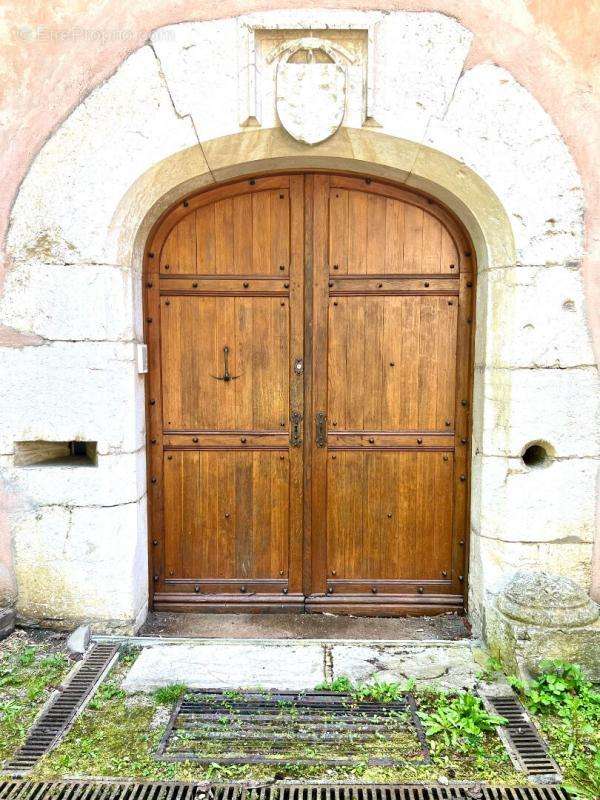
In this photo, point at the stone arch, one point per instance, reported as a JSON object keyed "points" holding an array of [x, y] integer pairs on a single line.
{"points": [[361, 151]]}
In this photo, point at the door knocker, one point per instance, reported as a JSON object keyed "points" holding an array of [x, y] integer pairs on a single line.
{"points": [[225, 376]]}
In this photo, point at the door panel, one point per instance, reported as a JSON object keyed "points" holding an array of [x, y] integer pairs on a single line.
{"points": [[195, 330], [391, 362], [247, 234], [389, 514], [226, 481], [227, 515], [308, 451], [389, 477]]}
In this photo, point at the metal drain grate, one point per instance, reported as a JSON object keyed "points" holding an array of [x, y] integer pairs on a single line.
{"points": [[525, 746], [112, 790], [306, 729], [59, 714]]}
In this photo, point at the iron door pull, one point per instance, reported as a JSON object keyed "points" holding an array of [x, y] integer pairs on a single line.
{"points": [[295, 437], [321, 420]]}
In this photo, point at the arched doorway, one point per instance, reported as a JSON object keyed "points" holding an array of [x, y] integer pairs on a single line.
{"points": [[309, 398]]}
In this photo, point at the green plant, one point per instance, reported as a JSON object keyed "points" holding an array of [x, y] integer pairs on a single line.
{"points": [[377, 691], [492, 668], [167, 695], [560, 689], [340, 684], [568, 710], [459, 722], [105, 692]]}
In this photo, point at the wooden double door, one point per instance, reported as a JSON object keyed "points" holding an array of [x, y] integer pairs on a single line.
{"points": [[308, 399]]}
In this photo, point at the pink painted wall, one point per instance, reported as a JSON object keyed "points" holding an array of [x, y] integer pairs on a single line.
{"points": [[54, 54]]}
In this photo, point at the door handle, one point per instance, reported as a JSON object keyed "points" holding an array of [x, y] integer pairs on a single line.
{"points": [[321, 420], [295, 437]]}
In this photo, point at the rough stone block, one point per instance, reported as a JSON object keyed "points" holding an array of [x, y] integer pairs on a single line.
{"points": [[225, 665], [79, 641], [59, 302], [7, 622], [68, 198], [512, 502], [198, 60], [559, 406], [542, 616], [90, 392], [498, 129], [533, 317], [447, 666], [78, 564]]}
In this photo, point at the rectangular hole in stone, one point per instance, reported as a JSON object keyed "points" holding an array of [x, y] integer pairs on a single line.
{"points": [[47, 454]]}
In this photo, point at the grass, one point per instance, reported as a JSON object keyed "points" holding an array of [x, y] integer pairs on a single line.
{"points": [[28, 674], [117, 735]]}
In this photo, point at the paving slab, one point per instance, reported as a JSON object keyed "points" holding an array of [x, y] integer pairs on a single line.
{"points": [[226, 665], [445, 665]]}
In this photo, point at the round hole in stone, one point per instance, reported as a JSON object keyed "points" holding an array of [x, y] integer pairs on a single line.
{"points": [[537, 454]]}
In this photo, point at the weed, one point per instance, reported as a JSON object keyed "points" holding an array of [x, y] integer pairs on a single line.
{"points": [[27, 675], [167, 695], [459, 722], [378, 691], [568, 711], [492, 669]]}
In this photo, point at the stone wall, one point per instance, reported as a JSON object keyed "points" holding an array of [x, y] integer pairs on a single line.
{"points": [[196, 104]]}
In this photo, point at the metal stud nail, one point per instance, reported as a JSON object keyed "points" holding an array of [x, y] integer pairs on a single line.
{"points": [[286, 286], [154, 542], [445, 458], [149, 319], [419, 441], [282, 267], [463, 402], [245, 284], [374, 589], [420, 590], [371, 440], [463, 440], [469, 284], [195, 285], [389, 516], [197, 589], [154, 480], [195, 439], [156, 577], [150, 255], [149, 284], [152, 402], [185, 204], [445, 573], [152, 441], [330, 284], [167, 302], [242, 589], [426, 283], [169, 458], [330, 590], [243, 439], [463, 477]]}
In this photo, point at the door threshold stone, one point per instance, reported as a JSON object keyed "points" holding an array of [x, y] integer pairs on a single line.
{"points": [[297, 664]]}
